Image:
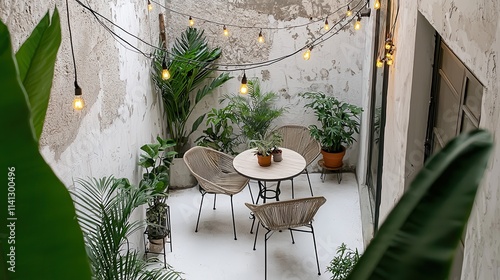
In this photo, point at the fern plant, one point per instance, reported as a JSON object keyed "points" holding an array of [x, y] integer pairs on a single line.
{"points": [[343, 263]]}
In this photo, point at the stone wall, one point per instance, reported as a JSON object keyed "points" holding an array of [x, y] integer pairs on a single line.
{"points": [[471, 29]]}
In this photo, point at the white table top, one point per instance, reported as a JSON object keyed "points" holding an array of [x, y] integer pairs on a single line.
{"points": [[292, 165]]}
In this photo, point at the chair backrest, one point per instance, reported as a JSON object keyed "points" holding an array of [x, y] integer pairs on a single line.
{"points": [[299, 139], [288, 213]]}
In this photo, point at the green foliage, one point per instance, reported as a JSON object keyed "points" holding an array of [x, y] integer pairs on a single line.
{"points": [[343, 262], [156, 161], [419, 237], [190, 67], [48, 240], [36, 59], [219, 134], [265, 145], [104, 209], [339, 121], [256, 111]]}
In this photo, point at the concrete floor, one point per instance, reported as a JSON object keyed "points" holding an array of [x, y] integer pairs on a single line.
{"points": [[212, 252]]}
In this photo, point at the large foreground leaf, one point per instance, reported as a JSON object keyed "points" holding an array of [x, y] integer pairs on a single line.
{"points": [[36, 59], [48, 240], [420, 235]]}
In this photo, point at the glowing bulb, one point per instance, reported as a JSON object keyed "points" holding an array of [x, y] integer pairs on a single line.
{"points": [[244, 86], [326, 24], [357, 24], [150, 7], [388, 55], [380, 63], [165, 74], [388, 44], [376, 5], [389, 61], [349, 12], [261, 38], [226, 32], [78, 102], [191, 21], [307, 54]]}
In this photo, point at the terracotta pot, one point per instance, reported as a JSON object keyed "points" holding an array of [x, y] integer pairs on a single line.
{"points": [[264, 160], [333, 160], [155, 246]]}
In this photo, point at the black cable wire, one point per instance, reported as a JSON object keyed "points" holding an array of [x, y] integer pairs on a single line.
{"points": [[71, 42], [395, 20]]}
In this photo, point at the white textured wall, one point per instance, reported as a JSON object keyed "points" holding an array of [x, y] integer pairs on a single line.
{"points": [[121, 112], [336, 66], [471, 29]]}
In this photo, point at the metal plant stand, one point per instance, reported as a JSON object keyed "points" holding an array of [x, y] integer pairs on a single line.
{"points": [[168, 237], [337, 170]]}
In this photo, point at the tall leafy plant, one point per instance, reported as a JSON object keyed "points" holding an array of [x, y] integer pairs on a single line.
{"points": [[256, 111], [191, 65], [104, 209], [37, 199], [420, 235], [219, 134], [339, 121]]}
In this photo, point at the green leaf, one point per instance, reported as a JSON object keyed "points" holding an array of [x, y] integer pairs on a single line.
{"points": [[420, 235], [197, 123], [48, 240], [36, 59]]}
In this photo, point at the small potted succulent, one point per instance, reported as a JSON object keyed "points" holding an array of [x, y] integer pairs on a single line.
{"points": [[277, 140], [263, 150]]}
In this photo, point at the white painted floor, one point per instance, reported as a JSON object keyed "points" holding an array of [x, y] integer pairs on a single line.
{"points": [[212, 252]]}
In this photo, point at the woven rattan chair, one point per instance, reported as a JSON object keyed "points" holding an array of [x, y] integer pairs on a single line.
{"points": [[289, 214], [299, 139], [215, 175]]}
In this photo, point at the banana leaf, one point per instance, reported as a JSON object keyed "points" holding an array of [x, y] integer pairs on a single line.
{"points": [[420, 235], [44, 240]]}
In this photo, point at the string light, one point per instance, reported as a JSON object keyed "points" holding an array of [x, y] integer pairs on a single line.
{"points": [[389, 61], [376, 5], [349, 11], [307, 53], [326, 24], [225, 31], [150, 7], [244, 85], [165, 74], [380, 63], [191, 21], [261, 38], [357, 24], [78, 102]]}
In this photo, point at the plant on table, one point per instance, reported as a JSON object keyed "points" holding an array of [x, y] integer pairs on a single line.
{"points": [[256, 111], [156, 160], [339, 122], [265, 146], [192, 68], [343, 262]]}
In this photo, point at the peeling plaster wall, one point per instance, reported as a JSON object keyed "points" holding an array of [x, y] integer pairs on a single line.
{"points": [[122, 113], [336, 66], [472, 30]]}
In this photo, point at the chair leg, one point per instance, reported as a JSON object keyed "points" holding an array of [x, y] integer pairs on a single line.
{"points": [[291, 234], [315, 249], [293, 193], [309, 180], [199, 212], [256, 233], [232, 212], [265, 253], [251, 195], [215, 199]]}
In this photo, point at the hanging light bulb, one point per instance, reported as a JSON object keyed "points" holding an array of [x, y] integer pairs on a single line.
{"points": [[349, 11], [225, 31], [150, 7], [326, 24], [388, 55], [191, 21], [307, 53], [244, 86], [78, 102], [376, 5], [380, 63], [165, 74], [388, 44], [261, 38], [357, 24], [389, 61]]}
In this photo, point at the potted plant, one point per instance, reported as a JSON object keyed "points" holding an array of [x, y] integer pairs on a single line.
{"points": [[339, 123], [219, 132], [156, 160], [276, 152], [264, 148], [343, 262], [191, 64], [256, 111]]}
